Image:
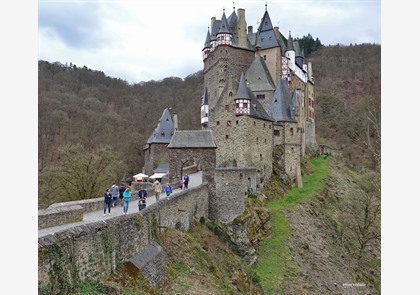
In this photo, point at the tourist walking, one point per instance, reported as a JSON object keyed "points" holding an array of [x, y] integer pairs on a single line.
{"points": [[186, 181], [115, 190], [168, 189], [126, 198], [121, 192], [107, 201], [142, 195], [158, 188], [181, 183]]}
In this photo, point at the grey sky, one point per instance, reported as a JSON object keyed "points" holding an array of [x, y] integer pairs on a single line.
{"points": [[150, 40]]}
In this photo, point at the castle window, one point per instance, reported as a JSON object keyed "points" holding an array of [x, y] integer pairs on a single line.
{"points": [[230, 93], [291, 131], [265, 140], [260, 157], [269, 127], [218, 123], [254, 123], [257, 139], [226, 107], [227, 136], [237, 122], [241, 176], [264, 125], [228, 123], [276, 133]]}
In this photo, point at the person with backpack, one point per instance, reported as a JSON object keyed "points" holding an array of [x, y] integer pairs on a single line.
{"points": [[107, 201], [186, 180], [142, 195], [114, 192]]}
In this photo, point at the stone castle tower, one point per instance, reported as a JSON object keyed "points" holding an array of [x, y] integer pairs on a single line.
{"points": [[258, 93]]}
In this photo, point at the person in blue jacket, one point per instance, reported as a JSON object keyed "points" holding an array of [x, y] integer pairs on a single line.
{"points": [[168, 189]]}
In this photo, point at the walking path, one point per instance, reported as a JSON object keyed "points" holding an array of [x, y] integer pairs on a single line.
{"points": [[90, 217]]}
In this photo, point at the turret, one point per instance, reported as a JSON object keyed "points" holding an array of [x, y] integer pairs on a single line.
{"points": [[206, 49], [224, 36], [290, 53], [242, 100], [205, 109]]}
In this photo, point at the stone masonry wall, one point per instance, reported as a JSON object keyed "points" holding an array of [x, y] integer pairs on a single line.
{"points": [[93, 251], [231, 188], [59, 216]]}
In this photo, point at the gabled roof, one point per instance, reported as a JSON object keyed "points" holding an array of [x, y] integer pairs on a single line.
{"points": [[192, 139], [164, 130], [258, 76], [281, 104]]}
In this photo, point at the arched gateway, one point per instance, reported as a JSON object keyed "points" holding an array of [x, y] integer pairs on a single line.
{"points": [[192, 145]]}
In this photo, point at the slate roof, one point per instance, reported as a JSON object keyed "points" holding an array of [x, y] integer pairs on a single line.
{"points": [[258, 76], [162, 168], [192, 139], [256, 109], [164, 130], [282, 105]]}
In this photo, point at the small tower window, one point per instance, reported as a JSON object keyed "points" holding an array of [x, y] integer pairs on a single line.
{"points": [[227, 136], [291, 131], [218, 123]]}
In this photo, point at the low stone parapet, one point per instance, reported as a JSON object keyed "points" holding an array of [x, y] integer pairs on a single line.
{"points": [[58, 216]]}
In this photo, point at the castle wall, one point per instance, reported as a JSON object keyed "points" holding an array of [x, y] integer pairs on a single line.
{"points": [[232, 185], [225, 61], [247, 142], [273, 61], [93, 251]]}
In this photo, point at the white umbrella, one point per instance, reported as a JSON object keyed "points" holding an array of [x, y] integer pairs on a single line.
{"points": [[140, 175]]}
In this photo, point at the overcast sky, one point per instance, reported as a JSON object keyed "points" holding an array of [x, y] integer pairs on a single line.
{"points": [[151, 40]]}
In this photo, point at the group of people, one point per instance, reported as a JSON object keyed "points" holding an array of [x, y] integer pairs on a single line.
{"points": [[114, 193], [183, 184], [123, 193]]}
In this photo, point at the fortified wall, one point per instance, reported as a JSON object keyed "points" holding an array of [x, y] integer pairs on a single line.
{"points": [[93, 251]]}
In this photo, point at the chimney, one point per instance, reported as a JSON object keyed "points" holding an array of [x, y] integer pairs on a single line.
{"points": [[250, 30], [175, 119], [241, 29]]}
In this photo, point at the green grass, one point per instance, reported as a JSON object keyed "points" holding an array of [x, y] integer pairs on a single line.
{"points": [[273, 257]]}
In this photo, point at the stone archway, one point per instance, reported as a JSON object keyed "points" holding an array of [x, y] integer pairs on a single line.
{"points": [[193, 145]]}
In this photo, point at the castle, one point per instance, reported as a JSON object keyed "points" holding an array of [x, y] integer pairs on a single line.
{"points": [[258, 95]]}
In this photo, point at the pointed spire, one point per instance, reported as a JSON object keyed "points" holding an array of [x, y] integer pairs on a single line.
{"points": [[224, 26], [290, 43], [242, 89], [207, 42]]}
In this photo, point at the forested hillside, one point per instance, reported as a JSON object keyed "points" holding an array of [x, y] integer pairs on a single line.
{"points": [[82, 105]]}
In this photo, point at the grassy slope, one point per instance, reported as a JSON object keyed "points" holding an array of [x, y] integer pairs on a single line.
{"points": [[273, 252]]}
